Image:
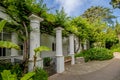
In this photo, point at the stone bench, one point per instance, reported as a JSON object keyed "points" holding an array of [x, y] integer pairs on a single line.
{"points": [[67, 59]]}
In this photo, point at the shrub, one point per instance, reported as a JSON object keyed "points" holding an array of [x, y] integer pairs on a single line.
{"points": [[96, 54], [15, 69], [6, 66], [46, 61], [40, 74], [116, 48], [7, 75]]}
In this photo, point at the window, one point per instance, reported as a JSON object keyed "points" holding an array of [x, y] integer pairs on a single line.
{"points": [[2, 52], [53, 47], [5, 37]]}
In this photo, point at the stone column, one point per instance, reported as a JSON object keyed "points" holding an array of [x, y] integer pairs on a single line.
{"points": [[71, 48], [59, 52], [14, 52], [34, 41], [85, 45]]}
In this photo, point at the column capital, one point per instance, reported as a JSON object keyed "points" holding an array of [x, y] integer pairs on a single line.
{"points": [[35, 18], [58, 28]]}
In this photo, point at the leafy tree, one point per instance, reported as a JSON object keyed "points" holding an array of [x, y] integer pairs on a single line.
{"points": [[97, 13], [111, 37], [81, 28], [115, 3], [98, 34], [101, 19], [2, 24], [117, 29], [51, 21], [61, 18], [47, 26]]}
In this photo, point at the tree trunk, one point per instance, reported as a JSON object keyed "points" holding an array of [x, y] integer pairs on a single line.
{"points": [[34, 66], [76, 50], [25, 50], [25, 57], [88, 44], [82, 46]]}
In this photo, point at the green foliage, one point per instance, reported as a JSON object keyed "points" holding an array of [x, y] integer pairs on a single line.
{"points": [[7, 44], [71, 27], [61, 18], [115, 3], [117, 27], [115, 48], [98, 35], [50, 17], [28, 76], [6, 75], [96, 54], [117, 30], [81, 27], [2, 24], [111, 35], [41, 48], [19, 11], [40, 74], [98, 13], [46, 61], [16, 69], [37, 51], [5, 65], [36, 7]]}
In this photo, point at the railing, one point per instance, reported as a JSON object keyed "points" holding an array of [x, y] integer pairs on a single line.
{"points": [[5, 59]]}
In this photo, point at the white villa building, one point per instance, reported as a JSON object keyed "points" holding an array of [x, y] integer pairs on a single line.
{"points": [[60, 46]]}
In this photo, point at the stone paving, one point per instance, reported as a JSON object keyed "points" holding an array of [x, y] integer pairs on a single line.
{"points": [[94, 70]]}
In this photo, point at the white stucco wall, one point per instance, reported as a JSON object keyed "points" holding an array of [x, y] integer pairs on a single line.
{"points": [[65, 46], [77, 43], [47, 40]]}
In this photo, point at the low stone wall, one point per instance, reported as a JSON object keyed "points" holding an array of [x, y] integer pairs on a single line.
{"points": [[79, 60], [67, 59]]}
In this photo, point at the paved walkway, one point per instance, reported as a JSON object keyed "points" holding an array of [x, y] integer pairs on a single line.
{"points": [[110, 71]]}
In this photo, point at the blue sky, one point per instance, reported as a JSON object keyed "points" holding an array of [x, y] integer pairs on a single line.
{"points": [[77, 7]]}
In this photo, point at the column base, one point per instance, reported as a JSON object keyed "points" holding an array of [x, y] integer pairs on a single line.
{"points": [[73, 59], [12, 60], [60, 64], [39, 63]]}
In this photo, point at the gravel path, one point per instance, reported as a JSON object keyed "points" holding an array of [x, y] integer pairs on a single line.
{"points": [[94, 70]]}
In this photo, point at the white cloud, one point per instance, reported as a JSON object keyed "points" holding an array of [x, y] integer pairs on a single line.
{"points": [[70, 6]]}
